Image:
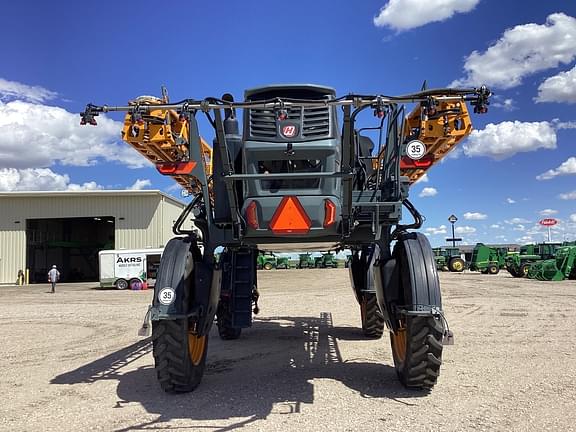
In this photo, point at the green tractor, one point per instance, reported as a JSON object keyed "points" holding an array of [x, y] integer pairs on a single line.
{"points": [[282, 262], [266, 261], [305, 261], [488, 260], [518, 265], [556, 269], [449, 259], [440, 259], [327, 260]]}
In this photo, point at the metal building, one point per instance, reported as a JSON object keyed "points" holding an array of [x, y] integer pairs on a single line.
{"points": [[68, 228]]}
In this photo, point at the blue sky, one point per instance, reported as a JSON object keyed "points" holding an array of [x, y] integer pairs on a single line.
{"points": [[519, 165]]}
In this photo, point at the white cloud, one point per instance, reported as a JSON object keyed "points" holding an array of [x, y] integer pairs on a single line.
{"points": [[567, 167], [175, 187], [525, 239], [14, 90], [564, 125], [85, 186], [519, 227], [34, 136], [568, 195], [548, 212], [535, 230], [465, 230], [516, 220], [423, 179], [510, 201], [522, 51], [506, 104], [558, 88], [428, 192], [573, 218], [140, 184], [475, 216], [495, 226], [407, 14], [503, 140], [35, 179], [435, 231]]}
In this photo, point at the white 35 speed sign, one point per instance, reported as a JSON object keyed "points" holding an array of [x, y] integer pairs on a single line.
{"points": [[416, 150], [166, 296]]}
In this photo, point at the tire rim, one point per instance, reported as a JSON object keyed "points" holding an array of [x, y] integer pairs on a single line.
{"points": [[457, 266], [525, 270], [399, 343], [196, 346]]}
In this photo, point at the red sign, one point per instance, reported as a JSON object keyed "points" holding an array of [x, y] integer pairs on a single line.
{"points": [[548, 222]]}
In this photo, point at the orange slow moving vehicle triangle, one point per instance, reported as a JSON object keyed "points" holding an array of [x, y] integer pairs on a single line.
{"points": [[290, 217]]}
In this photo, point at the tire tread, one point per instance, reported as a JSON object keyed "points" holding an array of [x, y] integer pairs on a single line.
{"points": [[423, 357], [373, 321]]}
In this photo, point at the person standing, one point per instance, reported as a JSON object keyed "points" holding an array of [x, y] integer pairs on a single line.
{"points": [[53, 277]]}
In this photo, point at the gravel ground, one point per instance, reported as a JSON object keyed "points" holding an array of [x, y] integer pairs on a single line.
{"points": [[72, 361]]}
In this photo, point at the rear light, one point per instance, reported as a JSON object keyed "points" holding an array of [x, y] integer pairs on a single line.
{"points": [[425, 162], [175, 168], [252, 215], [290, 217], [329, 213]]}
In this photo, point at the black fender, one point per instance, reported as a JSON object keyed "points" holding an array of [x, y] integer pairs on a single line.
{"points": [[186, 286], [418, 273], [358, 270], [408, 281]]}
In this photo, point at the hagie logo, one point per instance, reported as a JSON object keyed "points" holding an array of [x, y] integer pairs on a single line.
{"points": [[289, 131], [121, 260]]}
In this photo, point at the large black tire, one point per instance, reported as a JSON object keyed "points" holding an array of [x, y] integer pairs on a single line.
{"points": [[179, 354], [224, 323], [268, 266], [417, 342], [417, 351], [524, 270], [456, 265], [372, 319], [493, 269], [513, 272]]}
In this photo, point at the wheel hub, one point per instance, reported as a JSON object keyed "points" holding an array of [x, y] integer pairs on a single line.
{"points": [[399, 343], [196, 346]]}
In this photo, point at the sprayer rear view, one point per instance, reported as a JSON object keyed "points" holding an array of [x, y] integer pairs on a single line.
{"points": [[298, 175]]}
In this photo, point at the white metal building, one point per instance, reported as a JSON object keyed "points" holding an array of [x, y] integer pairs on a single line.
{"points": [[40, 229]]}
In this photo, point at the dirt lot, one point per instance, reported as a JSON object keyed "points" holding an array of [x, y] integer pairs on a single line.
{"points": [[72, 361]]}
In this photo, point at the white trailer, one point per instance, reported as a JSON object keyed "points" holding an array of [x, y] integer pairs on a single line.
{"points": [[123, 268]]}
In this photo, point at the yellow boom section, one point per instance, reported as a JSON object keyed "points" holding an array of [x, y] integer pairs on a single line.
{"points": [[440, 129], [162, 136]]}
